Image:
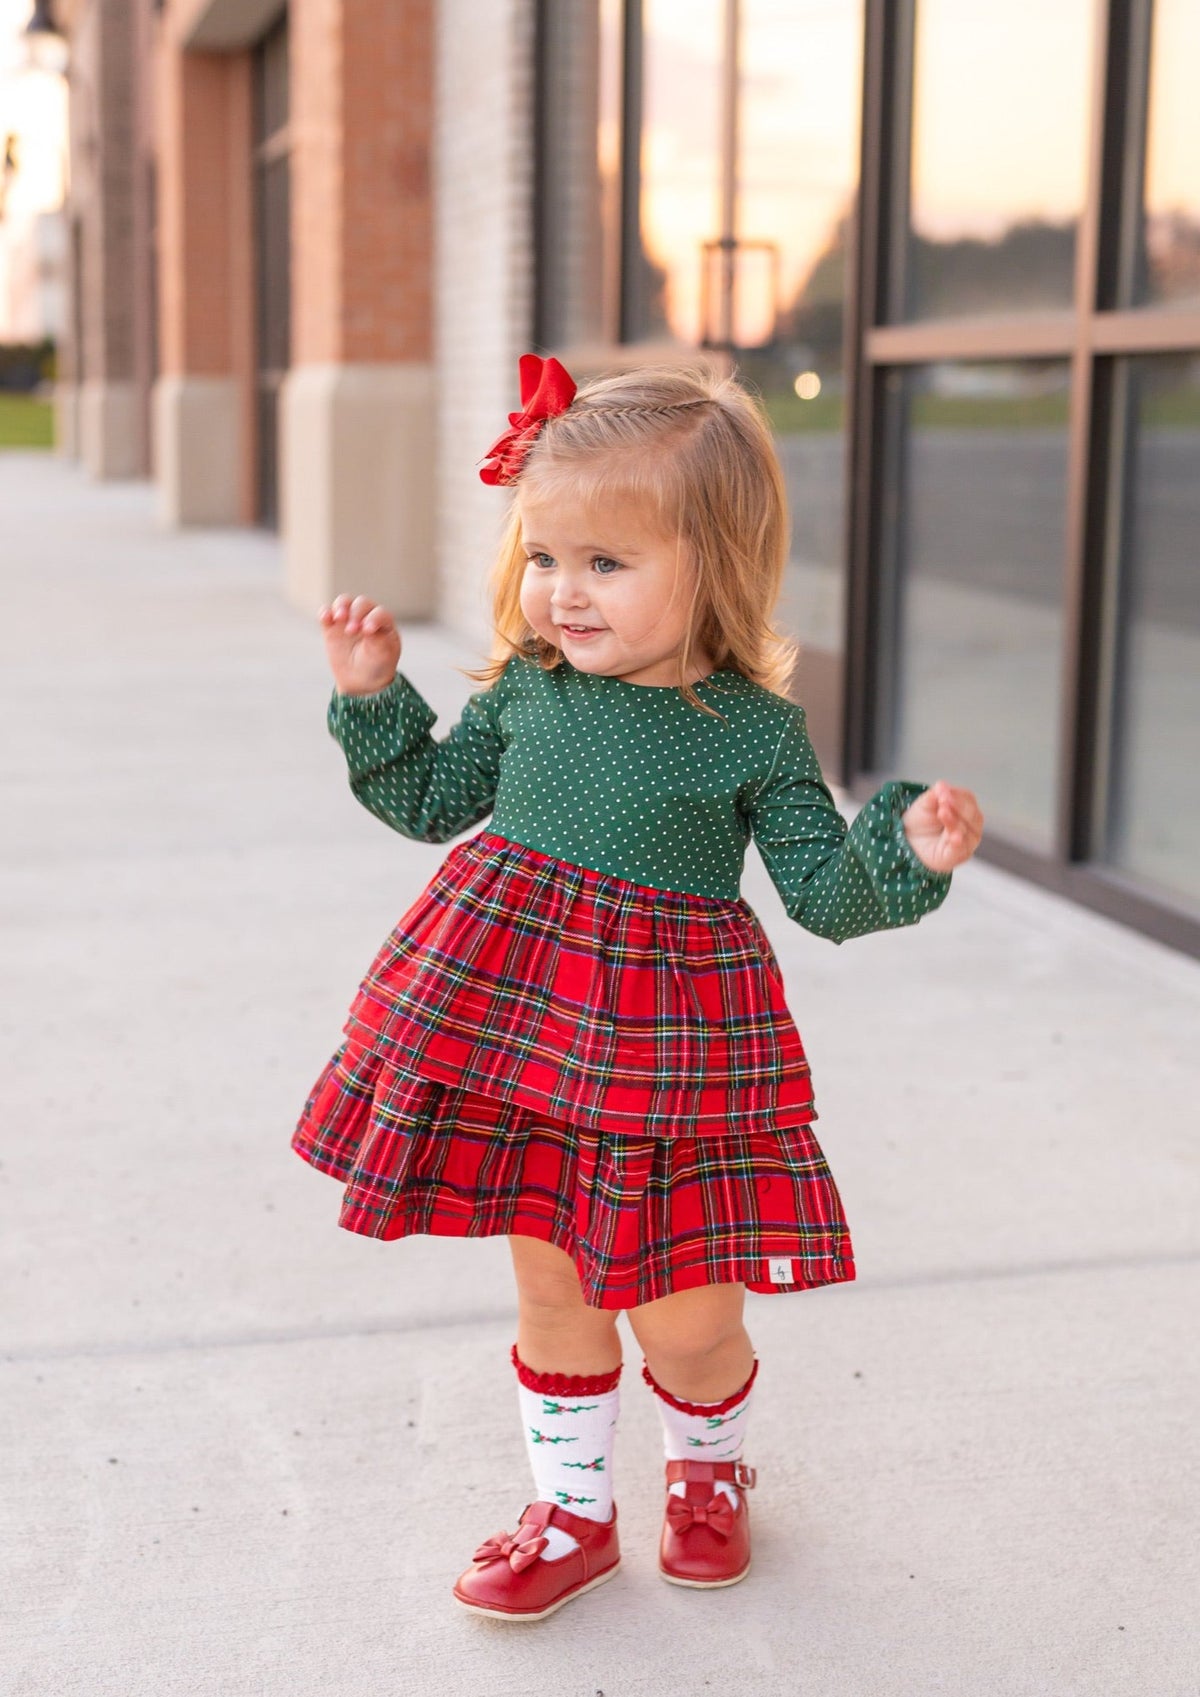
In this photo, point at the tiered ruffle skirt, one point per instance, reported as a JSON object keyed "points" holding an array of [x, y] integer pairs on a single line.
{"points": [[544, 1049]]}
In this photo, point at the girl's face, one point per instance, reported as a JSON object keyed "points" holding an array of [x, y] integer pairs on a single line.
{"points": [[608, 571]]}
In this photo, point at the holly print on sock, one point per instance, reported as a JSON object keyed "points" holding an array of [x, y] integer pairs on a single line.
{"points": [[717, 1430], [567, 1438]]}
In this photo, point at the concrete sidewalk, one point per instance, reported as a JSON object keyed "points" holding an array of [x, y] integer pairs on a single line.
{"points": [[244, 1452]]}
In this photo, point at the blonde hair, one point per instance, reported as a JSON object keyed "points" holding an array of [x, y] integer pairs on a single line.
{"points": [[696, 450]]}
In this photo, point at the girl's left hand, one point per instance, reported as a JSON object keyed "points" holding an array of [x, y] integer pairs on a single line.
{"points": [[943, 826]]}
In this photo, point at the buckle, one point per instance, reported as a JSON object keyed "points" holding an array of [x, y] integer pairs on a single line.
{"points": [[744, 1476]]}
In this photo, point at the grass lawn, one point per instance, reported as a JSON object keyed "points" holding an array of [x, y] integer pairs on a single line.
{"points": [[26, 422], [792, 417]]}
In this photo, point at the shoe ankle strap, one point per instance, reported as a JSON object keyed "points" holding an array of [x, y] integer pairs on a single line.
{"points": [[539, 1515], [711, 1473]]}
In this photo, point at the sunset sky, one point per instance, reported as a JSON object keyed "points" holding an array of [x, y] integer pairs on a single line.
{"points": [[1003, 107]]}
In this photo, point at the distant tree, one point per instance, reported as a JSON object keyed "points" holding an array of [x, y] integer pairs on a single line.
{"points": [[1029, 267], [1173, 254], [814, 319], [23, 365]]}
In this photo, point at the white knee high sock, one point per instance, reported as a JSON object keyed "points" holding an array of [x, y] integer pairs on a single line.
{"points": [[569, 1421], [703, 1431]]}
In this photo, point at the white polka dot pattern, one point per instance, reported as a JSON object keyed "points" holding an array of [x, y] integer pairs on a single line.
{"points": [[632, 780]]}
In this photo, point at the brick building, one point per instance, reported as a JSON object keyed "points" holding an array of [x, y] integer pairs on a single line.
{"points": [[960, 262]]}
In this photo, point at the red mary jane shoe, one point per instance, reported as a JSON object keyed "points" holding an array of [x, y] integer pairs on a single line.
{"points": [[511, 1580], [705, 1539]]}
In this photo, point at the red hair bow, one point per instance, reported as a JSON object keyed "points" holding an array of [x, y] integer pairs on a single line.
{"points": [[546, 390]]}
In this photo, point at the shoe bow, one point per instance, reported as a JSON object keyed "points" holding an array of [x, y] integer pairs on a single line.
{"points": [[520, 1553], [717, 1512]]}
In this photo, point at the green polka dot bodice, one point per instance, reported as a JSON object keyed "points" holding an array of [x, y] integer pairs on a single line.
{"points": [[632, 780]]}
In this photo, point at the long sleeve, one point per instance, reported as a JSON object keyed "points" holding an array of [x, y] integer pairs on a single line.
{"points": [[839, 881], [426, 789]]}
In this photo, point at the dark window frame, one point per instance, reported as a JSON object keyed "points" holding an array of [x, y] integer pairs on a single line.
{"points": [[1092, 336]]}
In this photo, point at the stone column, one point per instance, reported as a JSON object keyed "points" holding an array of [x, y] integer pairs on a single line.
{"points": [[357, 410]]}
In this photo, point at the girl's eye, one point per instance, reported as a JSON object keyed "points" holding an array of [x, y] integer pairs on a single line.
{"points": [[605, 566]]}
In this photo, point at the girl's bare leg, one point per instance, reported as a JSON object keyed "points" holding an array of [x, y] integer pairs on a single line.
{"points": [[556, 1330], [695, 1343]]}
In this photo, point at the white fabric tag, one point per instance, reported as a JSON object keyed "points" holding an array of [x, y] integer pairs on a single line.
{"points": [[780, 1270]]}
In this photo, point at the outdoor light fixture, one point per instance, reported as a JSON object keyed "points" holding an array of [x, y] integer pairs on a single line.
{"points": [[42, 21], [45, 43]]}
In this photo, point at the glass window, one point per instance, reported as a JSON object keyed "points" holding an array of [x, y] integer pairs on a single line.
{"points": [[578, 205], [679, 212], [271, 82], [999, 141], [971, 662], [1171, 225], [1153, 828], [610, 73], [272, 256], [800, 99]]}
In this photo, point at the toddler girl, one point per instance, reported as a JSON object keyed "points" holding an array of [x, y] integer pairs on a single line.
{"points": [[577, 1034]]}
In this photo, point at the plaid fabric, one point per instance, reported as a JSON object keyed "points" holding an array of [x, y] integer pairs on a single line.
{"points": [[617, 1007], [640, 1217]]}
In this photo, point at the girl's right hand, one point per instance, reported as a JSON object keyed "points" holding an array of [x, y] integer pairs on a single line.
{"points": [[362, 643]]}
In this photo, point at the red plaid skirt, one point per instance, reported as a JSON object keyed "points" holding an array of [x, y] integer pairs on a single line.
{"points": [[587, 998], [641, 1217]]}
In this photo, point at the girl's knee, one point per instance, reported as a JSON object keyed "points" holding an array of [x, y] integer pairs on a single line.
{"points": [[691, 1325], [547, 1281], [556, 1330]]}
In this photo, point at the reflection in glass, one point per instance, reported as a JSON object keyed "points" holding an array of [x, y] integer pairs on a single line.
{"points": [[801, 75], [1000, 126], [973, 584], [680, 165], [1172, 192], [579, 194], [1154, 806], [606, 327]]}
